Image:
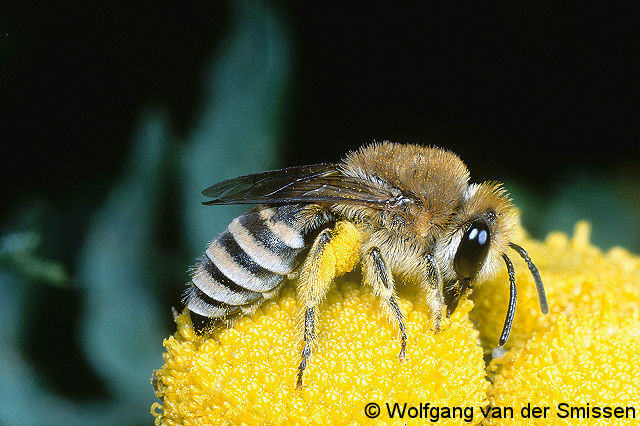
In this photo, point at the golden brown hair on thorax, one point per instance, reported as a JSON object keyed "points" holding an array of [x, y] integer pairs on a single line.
{"points": [[431, 179]]}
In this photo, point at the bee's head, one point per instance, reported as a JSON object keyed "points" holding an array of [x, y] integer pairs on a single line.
{"points": [[476, 245], [478, 235]]}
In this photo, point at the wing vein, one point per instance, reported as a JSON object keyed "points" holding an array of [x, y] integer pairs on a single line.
{"points": [[319, 183]]}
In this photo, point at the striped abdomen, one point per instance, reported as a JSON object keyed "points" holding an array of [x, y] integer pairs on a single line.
{"points": [[246, 262]]}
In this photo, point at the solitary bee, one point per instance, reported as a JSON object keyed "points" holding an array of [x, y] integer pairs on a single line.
{"points": [[397, 210]]}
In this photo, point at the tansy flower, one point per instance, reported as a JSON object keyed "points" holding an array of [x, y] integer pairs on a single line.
{"points": [[584, 351], [584, 354]]}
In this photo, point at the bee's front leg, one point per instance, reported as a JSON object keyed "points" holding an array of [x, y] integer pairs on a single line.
{"points": [[378, 275], [432, 285]]}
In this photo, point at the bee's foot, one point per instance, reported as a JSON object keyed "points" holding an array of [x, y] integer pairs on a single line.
{"points": [[401, 355], [437, 324], [299, 381]]}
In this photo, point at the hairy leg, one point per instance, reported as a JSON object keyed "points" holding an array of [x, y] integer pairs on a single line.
{"points": [[378, 275], [432, 285], [333, 253]]}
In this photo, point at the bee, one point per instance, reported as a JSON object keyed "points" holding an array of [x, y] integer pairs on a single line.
{"points": [[399, 211]]}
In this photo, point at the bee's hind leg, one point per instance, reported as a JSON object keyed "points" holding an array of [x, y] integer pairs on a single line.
{"points": [[378, 275], [317, 273], [309, 336]]}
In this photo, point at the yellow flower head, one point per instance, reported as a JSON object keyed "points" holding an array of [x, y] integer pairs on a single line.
{"points": [[584, 351]]}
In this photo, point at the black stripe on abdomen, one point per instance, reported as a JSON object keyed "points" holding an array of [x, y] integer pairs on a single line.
{"points": [[216, 285], [238, 266], [201, 304], [277, 255]]}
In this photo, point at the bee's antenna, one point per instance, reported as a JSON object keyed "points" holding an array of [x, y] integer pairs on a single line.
{"points": [[512, 301], [542, 297]]}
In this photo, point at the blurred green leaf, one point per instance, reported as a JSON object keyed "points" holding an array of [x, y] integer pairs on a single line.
{"points": [[239, 129], [25, 398], [121, 323], [18, 253]]}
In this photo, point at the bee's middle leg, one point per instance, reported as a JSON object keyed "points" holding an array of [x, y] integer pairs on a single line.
{"points": [[378, 275]]}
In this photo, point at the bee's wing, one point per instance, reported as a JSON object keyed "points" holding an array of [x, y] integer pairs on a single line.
{"points": [[319, 183]]}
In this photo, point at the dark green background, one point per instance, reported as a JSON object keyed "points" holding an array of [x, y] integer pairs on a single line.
{"points": [[116, 116]]}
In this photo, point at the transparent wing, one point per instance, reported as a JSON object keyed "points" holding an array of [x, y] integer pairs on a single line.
{"points": [[319, 183]]}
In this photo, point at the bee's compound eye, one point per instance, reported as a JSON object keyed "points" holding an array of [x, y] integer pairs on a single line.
{"points": [[473, 249]]}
